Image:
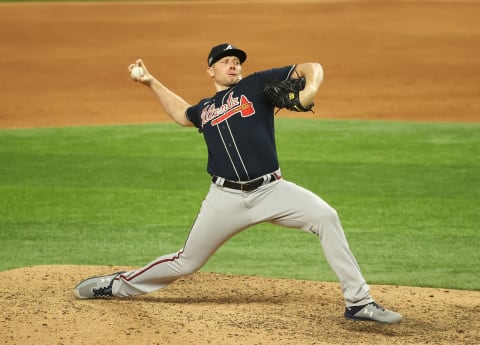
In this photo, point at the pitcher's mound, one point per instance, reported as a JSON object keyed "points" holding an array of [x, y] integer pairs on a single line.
{"points": [[38, 307]]}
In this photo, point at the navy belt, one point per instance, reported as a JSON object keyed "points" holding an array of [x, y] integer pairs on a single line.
{"points": [[247, 186]]}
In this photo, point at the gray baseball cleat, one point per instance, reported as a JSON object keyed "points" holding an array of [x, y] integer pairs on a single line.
{"points": [[96, 287], [372, 312]]}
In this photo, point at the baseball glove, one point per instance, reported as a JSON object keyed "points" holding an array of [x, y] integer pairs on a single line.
{"points": [[285, 94]]}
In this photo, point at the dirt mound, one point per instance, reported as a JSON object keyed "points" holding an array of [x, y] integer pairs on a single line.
{"points": [[38, 307]]}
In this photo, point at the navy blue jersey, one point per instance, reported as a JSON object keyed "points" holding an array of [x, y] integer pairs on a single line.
{"points": [[238, 127]]}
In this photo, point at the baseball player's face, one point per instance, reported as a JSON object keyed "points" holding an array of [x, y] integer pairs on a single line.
{"points": [[226, 72]]}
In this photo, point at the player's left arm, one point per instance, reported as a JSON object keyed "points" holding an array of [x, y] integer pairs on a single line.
{"points": [[313, 74]]}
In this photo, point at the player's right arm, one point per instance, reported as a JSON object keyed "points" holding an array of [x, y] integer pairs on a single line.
{"points": [[174, 105]]}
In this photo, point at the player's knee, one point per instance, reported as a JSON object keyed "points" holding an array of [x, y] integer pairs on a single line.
{"points": [[326, 219], [332, 215], [189, 267], [327, 215]]}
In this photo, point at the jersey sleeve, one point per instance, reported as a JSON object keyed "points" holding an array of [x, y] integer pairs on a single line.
{"points": [[193, 114]]}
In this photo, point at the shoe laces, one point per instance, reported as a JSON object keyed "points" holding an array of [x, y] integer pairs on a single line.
{"points": [[378, 306]]}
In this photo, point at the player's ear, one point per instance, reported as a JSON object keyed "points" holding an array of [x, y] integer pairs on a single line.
{"points": [[210, 72]]}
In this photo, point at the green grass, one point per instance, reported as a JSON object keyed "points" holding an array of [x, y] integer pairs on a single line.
{"points": [[407, 193]]}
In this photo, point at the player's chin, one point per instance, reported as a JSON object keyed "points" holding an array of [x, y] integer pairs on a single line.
{"points": [[234, 79]]}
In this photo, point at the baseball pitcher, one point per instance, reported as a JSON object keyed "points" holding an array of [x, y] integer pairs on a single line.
{"points": [[247, 186]]}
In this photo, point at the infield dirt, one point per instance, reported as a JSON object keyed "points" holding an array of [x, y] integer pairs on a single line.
{"points": [[65, 64]]}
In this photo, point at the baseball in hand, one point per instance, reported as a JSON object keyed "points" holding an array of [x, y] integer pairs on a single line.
{"points": [[136, 73]]}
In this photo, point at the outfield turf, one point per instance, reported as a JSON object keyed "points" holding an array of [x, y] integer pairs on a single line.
{"points": [[407, 193]]}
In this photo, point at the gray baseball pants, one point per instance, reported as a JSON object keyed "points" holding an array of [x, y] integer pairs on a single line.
{"points": [[225, 212]]}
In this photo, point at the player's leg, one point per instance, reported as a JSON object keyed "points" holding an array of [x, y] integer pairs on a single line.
{"points": [[287, 204], [220, 217], [292, 206]]}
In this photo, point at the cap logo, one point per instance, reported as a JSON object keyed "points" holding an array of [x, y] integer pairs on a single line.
{"points": [[229, 47]]}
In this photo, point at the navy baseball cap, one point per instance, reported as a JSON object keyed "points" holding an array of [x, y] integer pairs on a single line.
{"points": [[223, 50]]}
